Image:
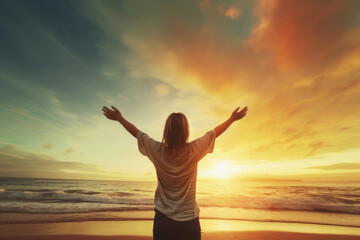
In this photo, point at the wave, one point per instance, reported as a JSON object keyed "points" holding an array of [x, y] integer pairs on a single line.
{"points": [[27, 209], [71, 200], [25, 201], [64, 210], [330, 204], [124, 208], [74, 196], [84, 199], [73, 191], [304, 208]]}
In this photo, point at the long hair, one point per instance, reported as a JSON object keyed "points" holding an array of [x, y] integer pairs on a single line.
{"points": [[176, 131]]}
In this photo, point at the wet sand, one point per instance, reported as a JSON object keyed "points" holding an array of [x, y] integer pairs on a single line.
{"points": [[212, 229]]}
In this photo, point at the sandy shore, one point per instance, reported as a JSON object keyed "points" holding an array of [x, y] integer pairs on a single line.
{"points": [[253, 235], [211, 230]]}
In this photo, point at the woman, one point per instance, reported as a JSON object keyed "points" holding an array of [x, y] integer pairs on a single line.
{"points": [[175, 160]]}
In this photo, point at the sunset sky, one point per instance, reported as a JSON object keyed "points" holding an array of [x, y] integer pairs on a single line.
{"points": [[295, 64]]}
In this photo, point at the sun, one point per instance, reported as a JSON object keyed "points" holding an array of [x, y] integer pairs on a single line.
{"points": [[227, 169], [222, 170]]}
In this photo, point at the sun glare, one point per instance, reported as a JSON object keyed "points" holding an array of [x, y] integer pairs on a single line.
{"points": [[222, 170], [225, 170]]}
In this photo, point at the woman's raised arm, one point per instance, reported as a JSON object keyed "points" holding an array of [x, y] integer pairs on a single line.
{"points": [[116, 116], [234, 117]]}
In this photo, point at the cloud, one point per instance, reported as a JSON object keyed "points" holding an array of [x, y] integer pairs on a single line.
{"points": [[337, 166], [204, 5], [233, 13], [12, 158], [221, 64], [308, 36], [161, 90], [123, 97], [112, 99], [318, 144], [47, 145], [70, 150], [106, 98]]}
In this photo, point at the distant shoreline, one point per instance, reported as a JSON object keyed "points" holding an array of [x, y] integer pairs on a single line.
{"points": [[201, 180]]}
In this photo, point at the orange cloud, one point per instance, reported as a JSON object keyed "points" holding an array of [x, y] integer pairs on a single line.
{"points": [[233, 13], [311, 35], [338, 166], [298, 37], [204, 5], [218, 64]]}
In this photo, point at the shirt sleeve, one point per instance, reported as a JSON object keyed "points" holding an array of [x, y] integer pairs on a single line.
{"points": [[147, 146], [205, 144]]}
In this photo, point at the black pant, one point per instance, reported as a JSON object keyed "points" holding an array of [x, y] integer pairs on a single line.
{"points": [[169, 229]]}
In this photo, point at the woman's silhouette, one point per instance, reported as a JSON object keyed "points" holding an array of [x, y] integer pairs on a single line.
{"points": [[175, 160]]}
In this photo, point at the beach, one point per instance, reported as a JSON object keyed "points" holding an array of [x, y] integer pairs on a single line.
{"points": [[73, 209], [142, 230]]}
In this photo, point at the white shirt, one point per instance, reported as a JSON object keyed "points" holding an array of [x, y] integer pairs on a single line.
{"points": [[176, 172]]}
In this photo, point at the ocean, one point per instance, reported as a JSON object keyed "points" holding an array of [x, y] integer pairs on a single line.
{"points": [[26, 200]]}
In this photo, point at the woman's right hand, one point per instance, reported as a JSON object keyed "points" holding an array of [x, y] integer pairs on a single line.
{"points": [[238, 115], [112, 114]]}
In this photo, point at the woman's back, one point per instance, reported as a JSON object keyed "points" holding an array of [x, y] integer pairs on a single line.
{"points": [[176, 172]]}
